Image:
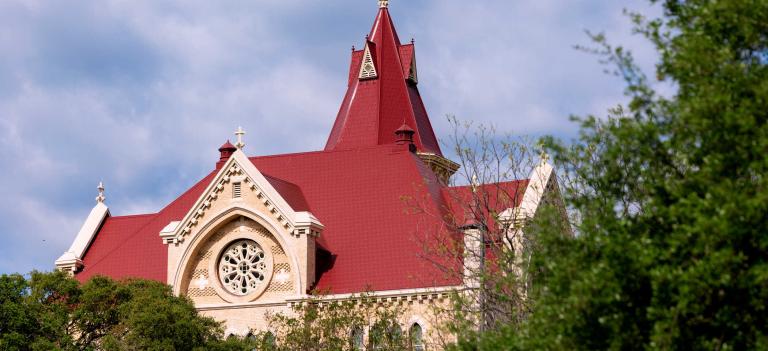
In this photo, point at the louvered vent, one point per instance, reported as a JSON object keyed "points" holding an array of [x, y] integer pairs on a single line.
{"points": [[412, 75], [368, 69], [237, 191]]}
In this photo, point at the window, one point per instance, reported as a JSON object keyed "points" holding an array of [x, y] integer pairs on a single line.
{"points": [[237, 190], [385, 336], [356, 339], [242, 267], [417, 337]]}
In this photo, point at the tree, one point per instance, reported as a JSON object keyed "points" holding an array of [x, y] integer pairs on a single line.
{"points": [[480, 236], [671, 196], [357, 323], [51, 311]]}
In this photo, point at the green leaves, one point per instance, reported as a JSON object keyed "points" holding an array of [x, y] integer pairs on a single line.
{"points": [[319, 324], [671, 195], [50, 311]]}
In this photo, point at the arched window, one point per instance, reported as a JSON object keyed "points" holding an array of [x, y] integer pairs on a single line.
{"points": [[356, 338], [385, 335], [416, 337]]}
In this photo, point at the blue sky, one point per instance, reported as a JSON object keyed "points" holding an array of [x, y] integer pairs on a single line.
{"points": [[140, 94]]}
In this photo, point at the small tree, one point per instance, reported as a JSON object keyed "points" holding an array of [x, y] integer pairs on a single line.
{"points": [[481, 236], [320, 324]]}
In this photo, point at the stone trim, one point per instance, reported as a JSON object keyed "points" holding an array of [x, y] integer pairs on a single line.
{"points": [[239, 168], [443, 167], [72, 260], [422, 295]]}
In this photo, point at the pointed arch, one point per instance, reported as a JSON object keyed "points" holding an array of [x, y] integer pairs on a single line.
{"points": [[416, 337]]}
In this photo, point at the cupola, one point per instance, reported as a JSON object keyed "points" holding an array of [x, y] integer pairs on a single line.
{"points": [[226, 152]]}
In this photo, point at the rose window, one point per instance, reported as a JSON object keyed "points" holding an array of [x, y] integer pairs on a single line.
{"points": [[242, 267]]}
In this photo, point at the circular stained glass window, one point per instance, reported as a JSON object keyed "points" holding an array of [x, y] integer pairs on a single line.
{"points": [[242, 267]]}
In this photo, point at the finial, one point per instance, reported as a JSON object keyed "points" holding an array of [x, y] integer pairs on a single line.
{"points": [[367, 38], [100, 199], [475, 183], [239, 133], [383, 4], [413, 41], [353, 48]]}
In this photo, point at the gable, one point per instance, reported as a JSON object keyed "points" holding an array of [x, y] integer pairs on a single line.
{"points": [[253, 188]]}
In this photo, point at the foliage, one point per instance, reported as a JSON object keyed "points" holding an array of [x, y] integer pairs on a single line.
{"points": [[671, 196], [318, 324], [51, 311]]}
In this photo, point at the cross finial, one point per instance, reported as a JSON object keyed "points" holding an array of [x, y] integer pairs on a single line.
{"points": [[100, 199], [239, 133], [383, 3]]}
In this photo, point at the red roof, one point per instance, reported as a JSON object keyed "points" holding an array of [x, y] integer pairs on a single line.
{"points": [[488, 200], [358, 196], [373, 109], [130, 246], [357, 187]]}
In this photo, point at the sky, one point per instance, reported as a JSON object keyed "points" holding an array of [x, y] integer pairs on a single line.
{"points": [[140, 94]]}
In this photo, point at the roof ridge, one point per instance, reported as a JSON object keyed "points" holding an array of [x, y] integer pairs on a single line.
{"points": [[324, 151], [134, 215]]}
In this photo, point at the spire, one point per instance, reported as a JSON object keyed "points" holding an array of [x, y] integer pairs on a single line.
{"points": [[382, 94]]}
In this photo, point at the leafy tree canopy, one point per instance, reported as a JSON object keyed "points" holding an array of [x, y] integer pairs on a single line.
{"points": [[51, 311], [671, 199]]}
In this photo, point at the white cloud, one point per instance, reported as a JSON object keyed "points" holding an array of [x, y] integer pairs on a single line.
{"points": [[141, 93], [512, 63]]}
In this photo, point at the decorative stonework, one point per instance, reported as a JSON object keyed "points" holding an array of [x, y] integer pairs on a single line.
{"points": [[233, 174], [443, 167], [205, 283], [242, 267]]}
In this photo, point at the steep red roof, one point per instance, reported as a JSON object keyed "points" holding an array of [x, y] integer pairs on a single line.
{"points": [[358, 196], [373, 109]]}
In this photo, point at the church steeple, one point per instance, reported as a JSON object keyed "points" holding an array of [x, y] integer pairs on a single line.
{"points": [[382, 93]]}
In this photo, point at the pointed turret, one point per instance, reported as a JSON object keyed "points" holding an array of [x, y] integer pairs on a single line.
{"points": [[382, 94]]}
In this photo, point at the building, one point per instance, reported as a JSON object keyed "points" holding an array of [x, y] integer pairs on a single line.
{"points": [[259, 233]]}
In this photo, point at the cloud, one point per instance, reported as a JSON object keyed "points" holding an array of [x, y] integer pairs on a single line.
{"points": [[513, 63], [140, 94]]}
